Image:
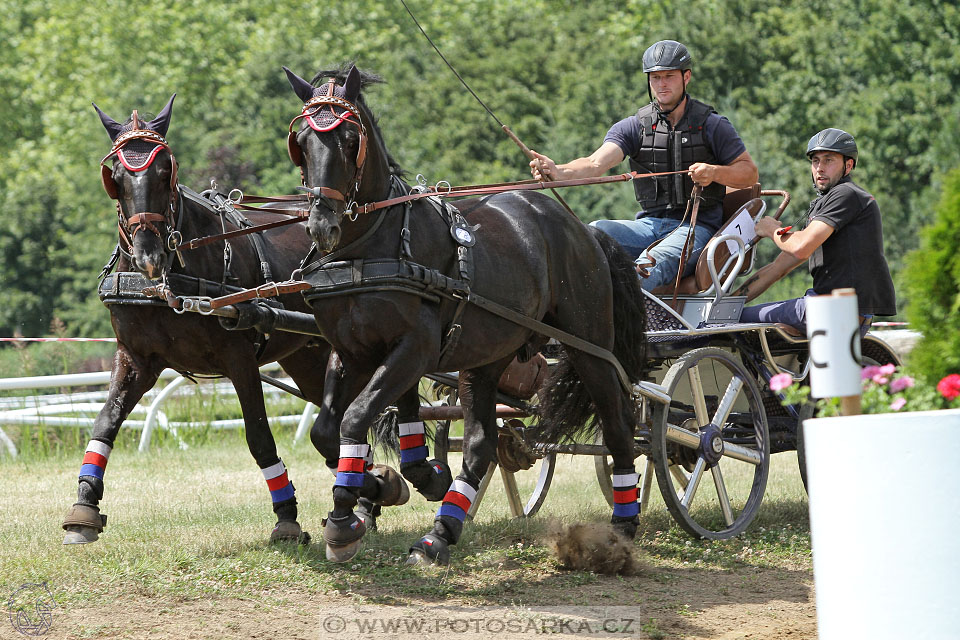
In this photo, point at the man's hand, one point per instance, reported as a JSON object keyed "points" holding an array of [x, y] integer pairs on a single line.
{"points": [[703, 173], [542, 167], [767, 226]]}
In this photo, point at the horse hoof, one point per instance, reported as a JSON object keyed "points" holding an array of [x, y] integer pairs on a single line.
{"points": [[83, 524], [77, 534], [626, 529], [368, 511], [343, 553], [343, 536], [440, 481], [393, 489], [287, 531], [429, 550]]}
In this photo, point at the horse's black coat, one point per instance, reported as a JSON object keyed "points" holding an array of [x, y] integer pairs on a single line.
{"points": [[151, 339], [530, 256]]}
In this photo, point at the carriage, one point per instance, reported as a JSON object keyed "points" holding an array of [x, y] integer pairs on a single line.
{"points": [[687, 390]]}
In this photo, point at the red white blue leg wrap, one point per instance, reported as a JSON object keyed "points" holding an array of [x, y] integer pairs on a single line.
{"points": [[95, 459], [353, 461], [413, 443], [625, 503], [457, 502], [278, 482]]}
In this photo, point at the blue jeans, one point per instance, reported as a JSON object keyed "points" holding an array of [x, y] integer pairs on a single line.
{"points": [[792, 312], [636, 235]]}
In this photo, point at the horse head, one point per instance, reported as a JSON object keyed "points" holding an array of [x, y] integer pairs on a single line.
{"points": [[339, 165], [143, 181]]}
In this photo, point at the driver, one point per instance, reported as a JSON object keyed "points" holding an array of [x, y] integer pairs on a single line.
{"points": [[672, 133], [842, 242]]}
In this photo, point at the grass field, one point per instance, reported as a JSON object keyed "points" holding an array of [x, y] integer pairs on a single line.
{"points": [[191, 524]]}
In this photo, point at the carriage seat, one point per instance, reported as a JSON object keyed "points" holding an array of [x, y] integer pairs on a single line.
{"points": [[699, 281]]}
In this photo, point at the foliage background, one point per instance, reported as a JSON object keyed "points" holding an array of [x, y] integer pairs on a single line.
{"points": [[558, 72]]}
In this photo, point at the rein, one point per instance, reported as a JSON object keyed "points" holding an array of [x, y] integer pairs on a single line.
{"points": [[429, 192]]}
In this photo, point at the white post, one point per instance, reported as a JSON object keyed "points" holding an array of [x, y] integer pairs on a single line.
{"points": [[306, 420], [833, 328]]}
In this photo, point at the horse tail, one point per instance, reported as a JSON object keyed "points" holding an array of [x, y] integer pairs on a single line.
{"points": [[384, 433], [566, 410]]}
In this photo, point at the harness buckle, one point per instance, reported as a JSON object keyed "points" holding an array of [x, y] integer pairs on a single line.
{"points": [[238, 199], [174, 240], [202, 305]]}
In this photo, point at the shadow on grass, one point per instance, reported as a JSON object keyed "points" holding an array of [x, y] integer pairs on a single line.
{"points": [[508, 562]]}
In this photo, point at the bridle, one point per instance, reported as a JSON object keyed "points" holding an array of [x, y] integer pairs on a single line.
{"points": [[350, 114], [130, 226]]}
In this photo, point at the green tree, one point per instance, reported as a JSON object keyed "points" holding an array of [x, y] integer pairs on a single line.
{"points": [[933, 274]]}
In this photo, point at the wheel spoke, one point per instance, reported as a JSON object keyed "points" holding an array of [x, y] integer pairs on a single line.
{"points": [[726, 403], [699, 402], [722, 494], [645, 482], [694, 483], [741, 453], [682, 437], [679, 475]]}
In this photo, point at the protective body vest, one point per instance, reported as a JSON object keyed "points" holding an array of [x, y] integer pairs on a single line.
{"points": [[666, 148]]}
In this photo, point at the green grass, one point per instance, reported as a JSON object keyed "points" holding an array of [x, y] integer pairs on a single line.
{"points": [[194, 523]]}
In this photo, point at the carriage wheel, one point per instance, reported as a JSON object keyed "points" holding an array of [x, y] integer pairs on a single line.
{"points": [[715, 426], [526, 484], [873, 351]]}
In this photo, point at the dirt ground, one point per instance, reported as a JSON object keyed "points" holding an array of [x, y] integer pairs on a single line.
{"points": [[755, 603]]}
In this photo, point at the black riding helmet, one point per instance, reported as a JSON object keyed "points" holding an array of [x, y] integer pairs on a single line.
{"points": [[666, 55], [836, 140]]}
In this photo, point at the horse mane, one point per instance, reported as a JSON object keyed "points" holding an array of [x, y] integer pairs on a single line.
{"points": [[367, 79]]}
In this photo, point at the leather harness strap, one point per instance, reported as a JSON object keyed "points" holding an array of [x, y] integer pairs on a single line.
{"points": [[687, 245]]}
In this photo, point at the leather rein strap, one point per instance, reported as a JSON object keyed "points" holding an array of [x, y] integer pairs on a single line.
{"points": [[434, 192]]}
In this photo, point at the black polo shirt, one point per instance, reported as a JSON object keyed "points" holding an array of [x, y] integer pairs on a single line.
{"points": [[853, 254]]}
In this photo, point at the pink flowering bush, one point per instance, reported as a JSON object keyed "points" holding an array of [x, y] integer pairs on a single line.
{"points": [[885, 390]]}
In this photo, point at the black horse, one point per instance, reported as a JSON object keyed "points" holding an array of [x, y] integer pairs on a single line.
{"points": [[155, 212], [391, 298]]}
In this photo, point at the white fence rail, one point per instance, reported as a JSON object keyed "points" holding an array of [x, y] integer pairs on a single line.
{"points": [[62, 409]]}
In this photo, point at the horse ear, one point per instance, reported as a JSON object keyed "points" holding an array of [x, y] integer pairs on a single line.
{"points": [[113, 127], [301, 87], [351, 86], [161, 123]]}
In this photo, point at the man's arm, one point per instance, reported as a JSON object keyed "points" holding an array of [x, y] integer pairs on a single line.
{"points": [[596, 164], [801, 244], [766, 276], [739, 174]]}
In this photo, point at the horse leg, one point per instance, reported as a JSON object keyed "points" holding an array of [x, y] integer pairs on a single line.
{"points": [[431, 478], [130, 378], [246, 381], [617, 422], [382, 485], [399, 372], [477, 389]]}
